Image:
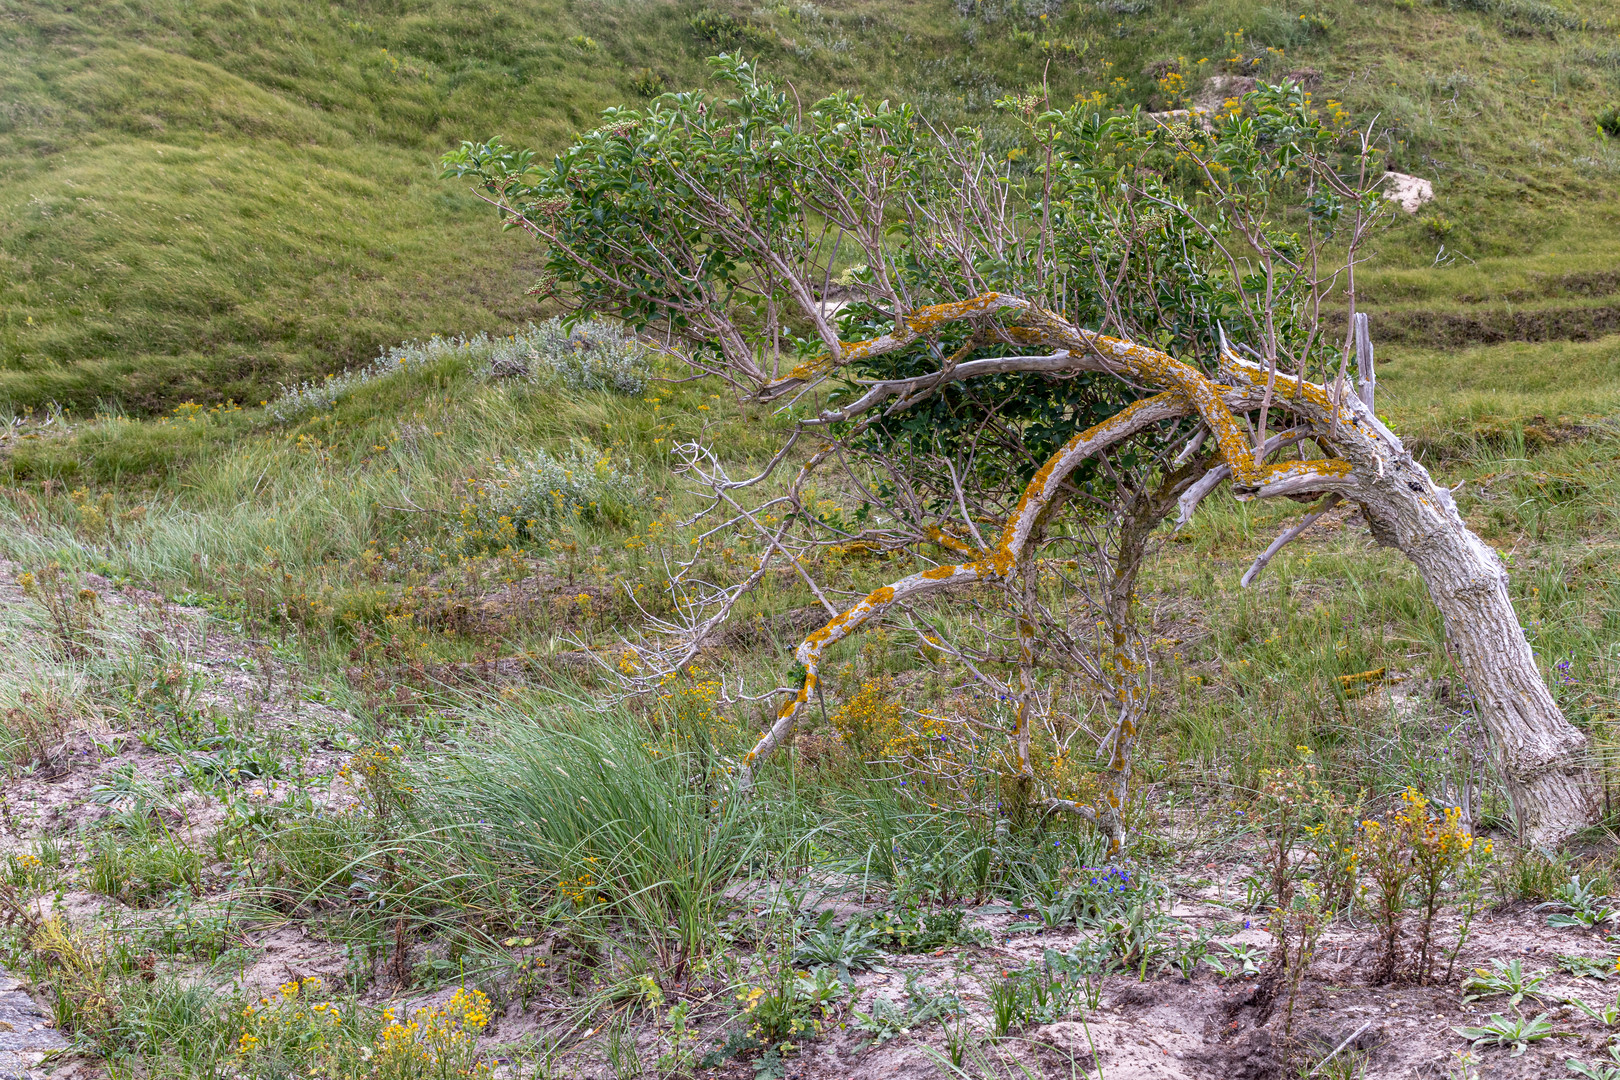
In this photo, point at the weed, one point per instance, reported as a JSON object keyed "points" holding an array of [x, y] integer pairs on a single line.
{"points": [[144, 870], [1006, 1006], [586, 812], [1297, 929], [592, 356], [1413, 853], [39, 722], [1608, 121], [1241, 959], [1516, 1032], [1532, 875], [1608, 1016], [1585, 967], [681, 1056], [1582, 907], [76, 972], [887, 1019], [790, 1006], [849, 950], [27, 871], [1598, 1070], [647, 82], [622, 1053], [1504, 977], [523, 500], [1194, 952], [1443, 852], [911, 929], [70, 612], [718, 28]]}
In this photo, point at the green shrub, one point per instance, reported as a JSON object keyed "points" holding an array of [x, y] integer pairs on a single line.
{"points": [[594, 355], [524, 498], [647, 82], [718, 28], [1608, 121]]}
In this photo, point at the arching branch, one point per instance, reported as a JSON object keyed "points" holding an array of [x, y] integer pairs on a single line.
{"points": [[1540, 754], [994, 564]]}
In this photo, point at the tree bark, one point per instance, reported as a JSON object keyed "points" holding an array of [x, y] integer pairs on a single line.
{"points": [[1542, 758]]}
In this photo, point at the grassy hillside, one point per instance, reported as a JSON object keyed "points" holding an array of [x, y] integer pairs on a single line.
{"points": [[201, 200]]}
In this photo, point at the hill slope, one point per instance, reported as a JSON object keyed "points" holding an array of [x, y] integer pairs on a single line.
{"points": [[200, 200]]}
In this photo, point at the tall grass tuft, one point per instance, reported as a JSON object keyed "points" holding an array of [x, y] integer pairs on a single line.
{"points": [[590, 815]]}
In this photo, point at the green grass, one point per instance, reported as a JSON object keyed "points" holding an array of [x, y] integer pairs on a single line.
{"points": [[202, 200], [1519, 394]]}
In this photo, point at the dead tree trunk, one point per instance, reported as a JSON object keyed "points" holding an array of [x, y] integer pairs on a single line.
{"points": [[1541, 757]]}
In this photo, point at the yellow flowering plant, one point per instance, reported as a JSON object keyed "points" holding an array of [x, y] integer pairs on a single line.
{"points": [[435, 1043], [378, 769], [71, 611], [1410, 858], [298, 1022], [339, 1040]]}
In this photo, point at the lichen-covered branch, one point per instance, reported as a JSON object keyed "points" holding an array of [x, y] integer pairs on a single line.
{"points": [[1541, 755]]}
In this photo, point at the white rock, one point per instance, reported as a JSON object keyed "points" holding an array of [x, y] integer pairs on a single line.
{"points": [[1410, 192]]}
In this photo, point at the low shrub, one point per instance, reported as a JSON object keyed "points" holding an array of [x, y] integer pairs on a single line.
{"points": [[522, 498], [1608, 121], [592, 356], [718, 28]]}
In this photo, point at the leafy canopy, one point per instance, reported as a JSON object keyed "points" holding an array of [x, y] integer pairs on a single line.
{"points": [[726, 217]]}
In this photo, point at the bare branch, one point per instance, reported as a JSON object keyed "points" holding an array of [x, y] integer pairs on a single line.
{"points": [[1288, 535]]}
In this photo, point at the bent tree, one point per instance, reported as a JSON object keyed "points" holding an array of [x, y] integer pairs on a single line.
{"points": [[1009, 367]]}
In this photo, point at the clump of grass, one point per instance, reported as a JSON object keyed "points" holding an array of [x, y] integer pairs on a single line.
{"points": [[1608, 121], [77, 971], [145, 870], [589, 814], [38, 722]]}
